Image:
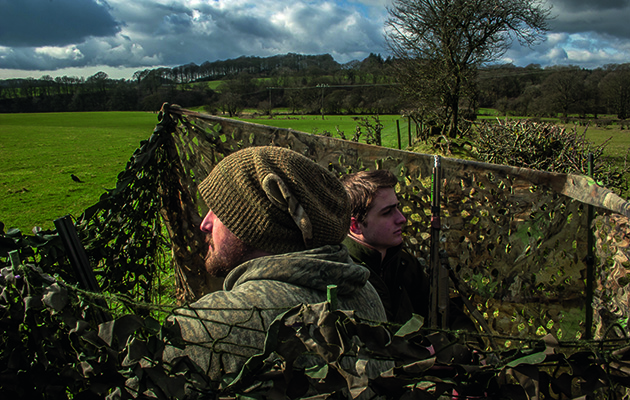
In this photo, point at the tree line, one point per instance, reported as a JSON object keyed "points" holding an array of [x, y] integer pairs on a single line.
{"points": [[557, 91], [304, 84], [291, 80]]}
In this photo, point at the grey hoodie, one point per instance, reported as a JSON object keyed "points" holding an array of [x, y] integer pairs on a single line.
{"points": [[225, 328]]}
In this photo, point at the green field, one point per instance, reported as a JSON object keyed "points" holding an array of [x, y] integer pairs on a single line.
{"points": [[38, 152], [619, 140], [346, 124]]}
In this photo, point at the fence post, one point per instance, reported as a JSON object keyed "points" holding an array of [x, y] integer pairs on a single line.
{"points": [[590, 262], [409, 129], [398, 131]]}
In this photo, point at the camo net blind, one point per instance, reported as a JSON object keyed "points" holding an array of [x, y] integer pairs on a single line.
{"points": [[516, 238]]}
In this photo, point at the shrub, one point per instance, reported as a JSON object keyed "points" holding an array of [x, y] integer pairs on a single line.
{"points": [[547, 147]]}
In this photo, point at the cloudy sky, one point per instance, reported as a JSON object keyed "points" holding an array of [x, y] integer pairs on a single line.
{"points": [[119, 37]]}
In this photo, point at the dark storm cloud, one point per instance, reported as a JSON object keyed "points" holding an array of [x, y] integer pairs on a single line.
{"points": [[35, 23], [253, 27], [45, 35], [207, 32], [578, 5], [175, 24], [605, 17], [583, 33]]}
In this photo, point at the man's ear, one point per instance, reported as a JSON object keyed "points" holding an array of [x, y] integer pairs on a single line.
{"points": [[355, 227]]}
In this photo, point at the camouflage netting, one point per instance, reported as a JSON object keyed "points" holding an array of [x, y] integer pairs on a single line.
{"points": [[515, 240], [516, 237]]}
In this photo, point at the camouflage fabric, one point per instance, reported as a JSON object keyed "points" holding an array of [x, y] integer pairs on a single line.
{"points": [[225, 328], [515, 238]]}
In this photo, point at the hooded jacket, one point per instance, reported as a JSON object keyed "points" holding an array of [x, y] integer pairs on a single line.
{"points": [[225, 328]]}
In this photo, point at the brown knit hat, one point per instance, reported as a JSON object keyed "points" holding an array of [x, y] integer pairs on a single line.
{"points": [[277, 200]]}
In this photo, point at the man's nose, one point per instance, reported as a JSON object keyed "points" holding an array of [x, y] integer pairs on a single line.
{"points": [[401, 217], [208, 222]]}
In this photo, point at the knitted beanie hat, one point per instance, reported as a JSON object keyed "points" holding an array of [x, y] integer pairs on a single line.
{"points": [[277, 200]]}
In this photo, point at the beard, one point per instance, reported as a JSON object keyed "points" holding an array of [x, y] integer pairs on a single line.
{"points": [[233, 252]]}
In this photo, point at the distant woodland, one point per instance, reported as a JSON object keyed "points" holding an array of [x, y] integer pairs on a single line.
{"points": [[313, 84]]}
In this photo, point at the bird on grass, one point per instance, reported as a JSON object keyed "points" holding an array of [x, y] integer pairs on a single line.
{"points": [[75, 178]]}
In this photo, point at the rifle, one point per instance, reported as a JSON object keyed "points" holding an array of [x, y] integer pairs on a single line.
{"points": [[80, 264]]}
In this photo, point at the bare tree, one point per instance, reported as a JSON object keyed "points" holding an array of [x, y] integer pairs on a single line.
{"points": [[439, 44]]}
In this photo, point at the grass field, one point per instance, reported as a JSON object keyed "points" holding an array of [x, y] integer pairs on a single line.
{"points": [[346, 123], [39, 152], [619, 142]]}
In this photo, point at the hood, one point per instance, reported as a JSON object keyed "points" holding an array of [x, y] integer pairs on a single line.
{"points": [[315, 269]]}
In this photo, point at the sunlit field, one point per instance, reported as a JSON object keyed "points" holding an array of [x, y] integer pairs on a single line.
{"points": [[347, 124], [40, 152]]}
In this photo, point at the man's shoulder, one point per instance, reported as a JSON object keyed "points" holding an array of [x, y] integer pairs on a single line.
{"points": [[406, 254], [359, 251]]}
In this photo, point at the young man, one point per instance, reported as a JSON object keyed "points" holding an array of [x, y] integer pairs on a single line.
{"points": [[274, 230], [375, 241]]}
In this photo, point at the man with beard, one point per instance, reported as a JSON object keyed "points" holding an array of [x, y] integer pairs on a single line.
{"points": [[274, 231]]}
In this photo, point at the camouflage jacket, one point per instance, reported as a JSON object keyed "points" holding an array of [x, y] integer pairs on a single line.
{"points": [[224, 328]]}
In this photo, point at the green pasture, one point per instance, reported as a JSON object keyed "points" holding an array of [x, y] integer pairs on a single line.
{"points": [[347, 124], [617, 140], [39, 152], [213, 85]]}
